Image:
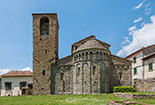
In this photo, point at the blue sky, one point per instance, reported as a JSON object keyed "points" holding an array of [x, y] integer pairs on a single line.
{"points": [[119, 23]]}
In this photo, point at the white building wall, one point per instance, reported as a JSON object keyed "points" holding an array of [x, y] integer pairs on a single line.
{"points": [[15, 91], [149, 74], [138, 64]]}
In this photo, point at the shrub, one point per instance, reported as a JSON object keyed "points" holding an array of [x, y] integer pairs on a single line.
{"points": [[123, 89]]}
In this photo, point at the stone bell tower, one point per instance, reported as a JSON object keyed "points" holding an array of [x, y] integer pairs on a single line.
{"points": [[45, 50]]}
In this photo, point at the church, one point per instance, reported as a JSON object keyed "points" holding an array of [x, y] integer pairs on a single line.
{"points": [[90, 69]]}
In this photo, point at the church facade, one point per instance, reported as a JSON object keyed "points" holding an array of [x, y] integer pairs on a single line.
{"points": [[90, 69]]}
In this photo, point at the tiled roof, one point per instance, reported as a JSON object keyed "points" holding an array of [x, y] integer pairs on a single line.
{"points": [[18, 74], [147, 50], [90, 45], [90, 37]]}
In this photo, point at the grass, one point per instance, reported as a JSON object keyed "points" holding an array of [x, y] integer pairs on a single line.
{"points": [[100, 99]]}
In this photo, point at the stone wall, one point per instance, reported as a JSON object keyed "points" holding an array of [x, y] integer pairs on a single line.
{"points": [[45, 53], [133, 96], [121, 72], [125, 103], [91, 72], [148, 85], [62, 76]]}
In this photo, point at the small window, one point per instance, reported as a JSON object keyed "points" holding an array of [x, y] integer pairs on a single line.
{"points": [[150, 67], [101, 55], [79, 57], [22, 84], [30, 86], [135, 70], [78, 71], [43, 72], [94, 70], [46, 51], [86, 55], [120, 76], [97, 55], [91, 55], [76, 47], [134, 60], [62, 76], [8, 85], [82, 56]]}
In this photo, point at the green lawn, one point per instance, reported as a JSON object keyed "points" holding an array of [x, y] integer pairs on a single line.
{"points": [[101, 99]]}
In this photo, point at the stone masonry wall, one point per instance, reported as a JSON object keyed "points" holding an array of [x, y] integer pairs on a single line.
{"points": [[62, 76], [91, 72], [45, 52], [148, 85], [121, 73]]}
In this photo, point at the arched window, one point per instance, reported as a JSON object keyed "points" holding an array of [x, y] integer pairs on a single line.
{"points": [[120, 76], [101, 55], [62, 76], [44, 26], [91, 55], [79, 57], [94, 70], [86, 56], [78, 71], [82, 56]]}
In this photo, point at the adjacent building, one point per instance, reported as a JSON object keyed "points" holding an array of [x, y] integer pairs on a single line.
{"points": [[143, 68], [90, 69], [12, 82]]}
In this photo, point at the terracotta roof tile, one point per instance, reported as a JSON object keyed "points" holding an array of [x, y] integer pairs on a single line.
{"points": [[18, 74]]}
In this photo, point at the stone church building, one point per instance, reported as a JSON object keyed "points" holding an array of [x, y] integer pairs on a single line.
{"points": [[90, 69]]}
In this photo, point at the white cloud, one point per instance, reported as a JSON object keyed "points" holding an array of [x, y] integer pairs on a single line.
{"points": [[3, 71], [147, 11], [142, 37], [125, 41], [132, 29], [26, 69], [147, 5], [139, 5], [137, 20]]}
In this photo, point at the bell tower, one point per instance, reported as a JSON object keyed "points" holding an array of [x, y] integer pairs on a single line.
{"points": [[45, 50]]}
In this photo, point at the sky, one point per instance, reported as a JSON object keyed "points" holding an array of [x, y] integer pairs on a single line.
{"points": [[127, 25]]}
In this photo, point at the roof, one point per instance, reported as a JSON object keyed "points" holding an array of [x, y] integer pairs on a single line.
{"points": [[90, 37], [18, 74], [149, 56], [44, 13], [90, 44], [140, 50], [121, 58]]}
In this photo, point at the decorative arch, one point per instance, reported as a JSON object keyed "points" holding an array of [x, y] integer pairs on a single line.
{"points": [[44, 26]]}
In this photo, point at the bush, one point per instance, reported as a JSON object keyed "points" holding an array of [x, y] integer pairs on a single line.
{"points": [[123, 89]]}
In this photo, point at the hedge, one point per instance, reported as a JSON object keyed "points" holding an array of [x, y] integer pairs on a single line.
{"points": [[123, 89]]}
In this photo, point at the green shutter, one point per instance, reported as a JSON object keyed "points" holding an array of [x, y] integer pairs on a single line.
{"points": [[134, 59], [135, 70], [150, 67]]}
